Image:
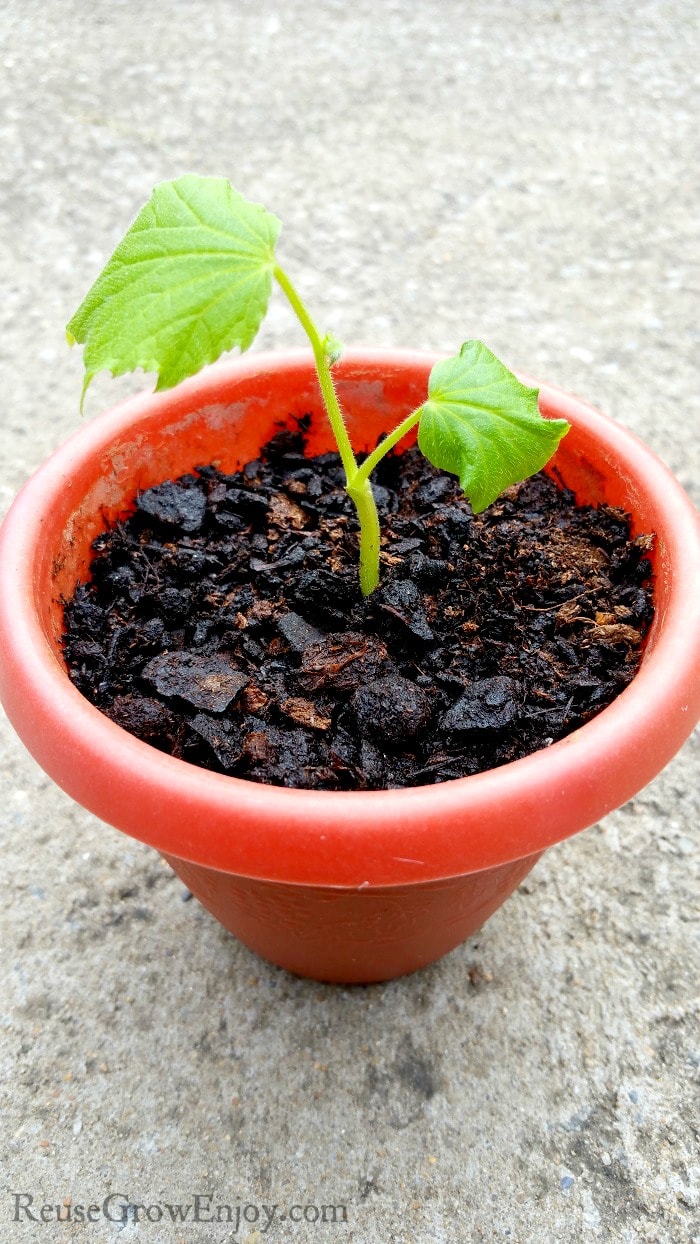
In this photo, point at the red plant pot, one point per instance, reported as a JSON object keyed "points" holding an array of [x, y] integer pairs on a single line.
{"points": [[358, 886]]}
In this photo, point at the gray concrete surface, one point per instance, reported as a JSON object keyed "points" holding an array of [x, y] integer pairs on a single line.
{"points": [[523, 171]]}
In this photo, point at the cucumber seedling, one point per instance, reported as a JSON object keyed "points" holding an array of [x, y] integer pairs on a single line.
{"points": [[192, 278]]}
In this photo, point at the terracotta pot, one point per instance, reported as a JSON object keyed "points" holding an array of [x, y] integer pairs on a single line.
{"points": [[360, 886]]}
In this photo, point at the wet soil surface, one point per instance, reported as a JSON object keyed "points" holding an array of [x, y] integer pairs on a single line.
{"points": [[223, 623]]}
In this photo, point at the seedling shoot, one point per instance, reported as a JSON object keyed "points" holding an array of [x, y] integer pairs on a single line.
{"points": [[192, 278]]}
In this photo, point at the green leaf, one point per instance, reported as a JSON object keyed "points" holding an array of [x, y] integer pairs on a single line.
{"points": [[482, 424], [190, 279]]}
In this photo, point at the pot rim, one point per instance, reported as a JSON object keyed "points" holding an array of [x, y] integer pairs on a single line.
{"points": [[351, 838]]}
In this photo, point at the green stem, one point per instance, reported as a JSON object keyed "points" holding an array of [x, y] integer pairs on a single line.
{"points": [[386, 445], [369, 534], [359, 490], [325, 379], [357, 483]]}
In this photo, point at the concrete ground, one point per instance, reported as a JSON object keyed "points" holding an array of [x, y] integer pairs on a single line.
{"points": [[518, 170]]}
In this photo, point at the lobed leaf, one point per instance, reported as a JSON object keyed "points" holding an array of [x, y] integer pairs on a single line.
{"points": [[189, 280], [483, 425]]}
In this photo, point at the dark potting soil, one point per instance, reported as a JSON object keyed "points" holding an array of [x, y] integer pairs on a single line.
{"points": [[223, 622]]}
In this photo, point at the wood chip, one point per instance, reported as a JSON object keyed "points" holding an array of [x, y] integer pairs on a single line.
{"points": [[261, 611], [257, 747], [286, 513], [342, 661], [614, 633], [567, 613], [253, 699], [304, 713]]}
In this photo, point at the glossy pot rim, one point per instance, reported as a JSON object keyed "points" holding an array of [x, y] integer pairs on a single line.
{"points": [[350, 838]]}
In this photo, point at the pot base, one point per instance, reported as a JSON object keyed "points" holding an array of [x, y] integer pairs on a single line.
{"points": [[352, 936]]}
